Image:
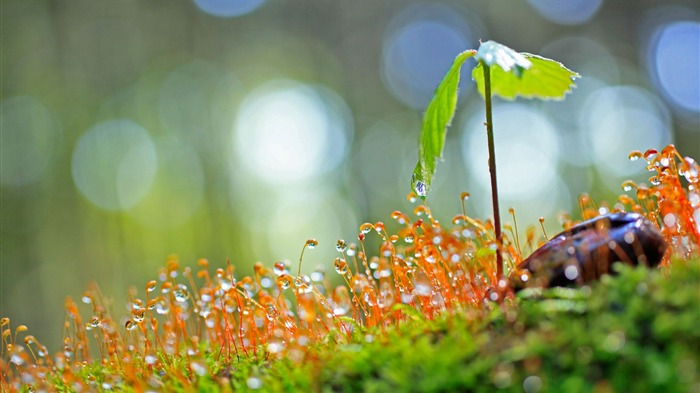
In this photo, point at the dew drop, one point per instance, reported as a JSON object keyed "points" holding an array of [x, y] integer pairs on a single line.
{"points": [[162, 307], [399, 217], [420, 188], [690, 169], [271, 312], [284, 281], [138, 315], [420, 210], [421, 284], [635, 155], [181, 294], [365, 228], [341, 266], [130, 325], [628, 185], [225, 284], [151, 286], [303, 284], [311, 243], [279, 268], [340, 246], [409, 239], [379, 227]]}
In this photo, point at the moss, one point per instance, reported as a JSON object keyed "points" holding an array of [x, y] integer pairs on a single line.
{"points": [[636, 331]]}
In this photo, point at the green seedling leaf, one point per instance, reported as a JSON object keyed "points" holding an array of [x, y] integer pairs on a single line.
{"points": [[491, 52], [522, 74], [436, 119]]}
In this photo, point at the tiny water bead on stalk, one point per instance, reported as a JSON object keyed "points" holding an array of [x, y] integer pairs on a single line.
{"points": [[664, 215], [673, 207], [191, 328]]}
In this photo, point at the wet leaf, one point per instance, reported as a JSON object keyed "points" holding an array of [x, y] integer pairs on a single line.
{"points": [[522, 74], [491, 52], [436, 119]]}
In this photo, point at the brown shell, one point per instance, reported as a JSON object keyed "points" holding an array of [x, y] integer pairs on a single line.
{"points": [[588, 250]]}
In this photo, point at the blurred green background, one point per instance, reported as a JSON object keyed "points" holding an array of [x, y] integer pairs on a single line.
{"points": [[132, 130]]}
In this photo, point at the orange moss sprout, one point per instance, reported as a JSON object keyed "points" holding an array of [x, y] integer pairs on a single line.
{"points": [[423, 269]]}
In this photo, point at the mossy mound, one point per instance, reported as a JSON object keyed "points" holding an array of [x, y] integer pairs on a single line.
{"points": [[636, 331]]}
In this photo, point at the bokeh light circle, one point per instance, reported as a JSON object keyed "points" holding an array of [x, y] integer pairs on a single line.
{"points": [[620, 119], [114, 164], [567, 12], [527, 156], [385, 157], [27, 138], [287, 132], [190, 99], [289, 220], [177, 189], [527, 151], [228, 8], [674, 61], [419, 46]]}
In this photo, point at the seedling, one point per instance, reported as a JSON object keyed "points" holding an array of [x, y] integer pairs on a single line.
{"points": [[516, 74]]}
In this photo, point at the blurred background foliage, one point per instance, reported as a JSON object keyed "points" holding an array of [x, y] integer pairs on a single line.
{"points": [[240, 128]]}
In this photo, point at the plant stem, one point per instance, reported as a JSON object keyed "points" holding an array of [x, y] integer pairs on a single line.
{"points": [[492, 169]]}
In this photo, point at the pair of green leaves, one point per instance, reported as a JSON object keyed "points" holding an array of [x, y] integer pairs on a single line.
{"points": [[517, 74]]}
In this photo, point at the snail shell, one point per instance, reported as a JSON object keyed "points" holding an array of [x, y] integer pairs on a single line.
{"points": [[586, 251]]}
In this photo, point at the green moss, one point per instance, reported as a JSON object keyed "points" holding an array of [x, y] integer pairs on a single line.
{"points": [[637, 331]]}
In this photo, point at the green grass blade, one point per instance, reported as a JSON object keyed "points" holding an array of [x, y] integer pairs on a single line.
{"points": [[436, 119]]}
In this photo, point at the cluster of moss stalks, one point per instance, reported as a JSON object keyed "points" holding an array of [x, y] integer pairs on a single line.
{"points": [[636, 331]]}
